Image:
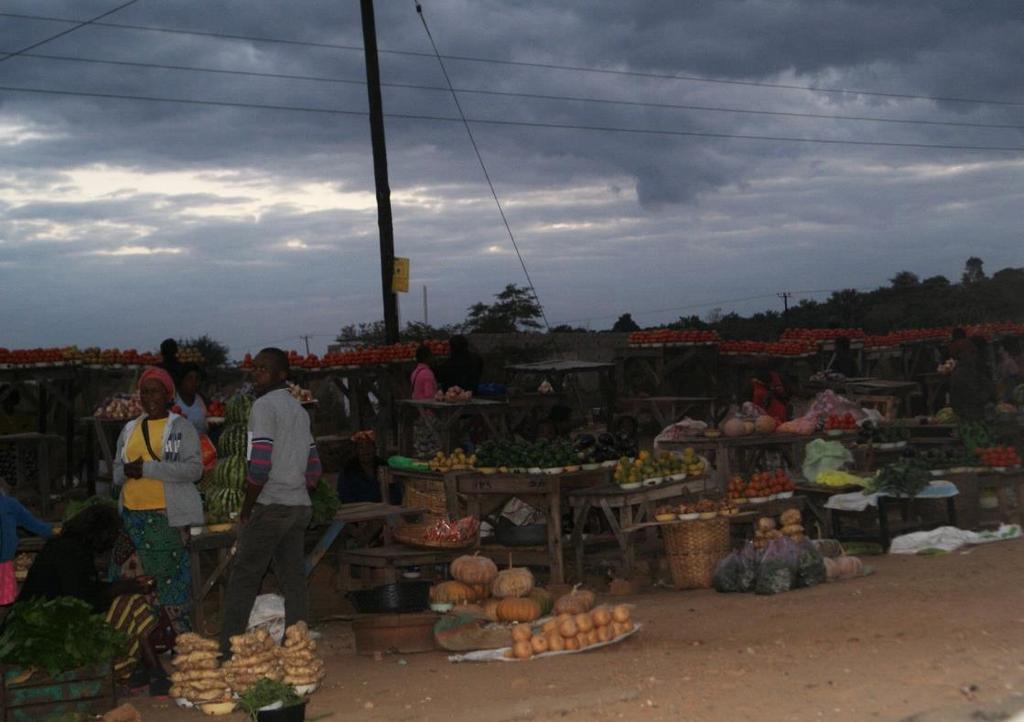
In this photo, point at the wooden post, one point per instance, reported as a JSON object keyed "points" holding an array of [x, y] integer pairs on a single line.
{"points": [[380, 171]]}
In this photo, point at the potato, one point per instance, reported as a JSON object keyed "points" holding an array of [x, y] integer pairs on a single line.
{"points": [[601, 616], [620, 613], [583, 622], [522, 650]]}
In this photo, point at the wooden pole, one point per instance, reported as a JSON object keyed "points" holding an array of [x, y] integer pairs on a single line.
{"points": [[380, 171]]}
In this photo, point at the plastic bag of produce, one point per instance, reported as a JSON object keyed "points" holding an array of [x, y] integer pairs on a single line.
{"points": [[737, 572], [777, 571], [810, 565], [822, 456]]}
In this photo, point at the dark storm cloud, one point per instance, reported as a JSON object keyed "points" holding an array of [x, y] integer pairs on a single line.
{"points": [[698, 218]]}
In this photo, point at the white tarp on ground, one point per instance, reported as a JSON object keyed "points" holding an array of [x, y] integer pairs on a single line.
{"points": [[950, 538]]}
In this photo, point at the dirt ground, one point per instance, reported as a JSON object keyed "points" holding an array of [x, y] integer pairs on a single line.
{"points": [[929, 638]]}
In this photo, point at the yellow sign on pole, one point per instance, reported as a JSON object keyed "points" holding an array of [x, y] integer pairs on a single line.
{"points": [[400, 276]]}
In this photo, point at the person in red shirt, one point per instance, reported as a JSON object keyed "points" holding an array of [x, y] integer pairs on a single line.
{"points": [[771, 394], [424, 386]]}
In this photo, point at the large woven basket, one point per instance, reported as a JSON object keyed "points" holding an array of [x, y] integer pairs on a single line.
{"points": [[425, 494], [694, 549], [694, 537]]}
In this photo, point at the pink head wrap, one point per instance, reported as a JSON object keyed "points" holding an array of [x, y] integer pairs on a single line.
{"points": [[155, 372]]}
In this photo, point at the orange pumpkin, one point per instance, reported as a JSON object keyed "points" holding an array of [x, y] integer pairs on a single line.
{"points": [[480, 591], [490, 608], [584, 622], [735, 427], [765, 424], [474, 569], [515, 609], [521, 633], [452, 593], [556, 642], [539, 644], [621, 614], [601, 616], [522, 650]]}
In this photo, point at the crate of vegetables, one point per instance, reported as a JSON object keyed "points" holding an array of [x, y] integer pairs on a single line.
{"points": [[30, 694]]}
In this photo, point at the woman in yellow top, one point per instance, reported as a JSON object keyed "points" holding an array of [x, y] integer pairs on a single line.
{"points": [[158, 463]]}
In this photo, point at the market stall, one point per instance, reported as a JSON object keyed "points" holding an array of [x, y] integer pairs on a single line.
{"points": [[446, 418], [562, 377]]}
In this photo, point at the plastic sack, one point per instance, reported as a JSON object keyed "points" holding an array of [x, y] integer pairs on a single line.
{"points": [[777, 571], [468, 632], [822, 455], [268, 613], [840, 478], [810, 565], [737, 572]]}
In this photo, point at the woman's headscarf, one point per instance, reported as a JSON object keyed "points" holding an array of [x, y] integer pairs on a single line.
{"points": [[154, 372]]}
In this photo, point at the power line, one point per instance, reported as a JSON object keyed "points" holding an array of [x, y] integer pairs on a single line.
{"points": [[70, 30], [521, 63], [480, 159], [514, 123], [513, 94]]}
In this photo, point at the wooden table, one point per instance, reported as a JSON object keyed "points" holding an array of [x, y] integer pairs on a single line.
{"points": [[444, 417], [666, 410], [885, 530], [724, 446], [222, 543], [487, 493], [625, 511], [972, 484]]}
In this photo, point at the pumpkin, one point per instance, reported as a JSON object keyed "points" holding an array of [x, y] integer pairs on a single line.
{"points": [[604, 633], [512, 582], [480, 591], [618, 629], [601, 616], [550, 626], [474, 569], [734, 427], [571, 644], [583, 622], [575, 602], [621, 614], [765, 424], [522, 650], [593, 637], [452, 593], [568, 629], [491, 609], [539, 644], [583, 640], [849, 567], [544, 600], [521, 633], [516, 609], [556, 642], [831, 569]]}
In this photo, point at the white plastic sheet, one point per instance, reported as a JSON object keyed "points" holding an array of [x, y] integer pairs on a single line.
{"points": [[950, 538]]}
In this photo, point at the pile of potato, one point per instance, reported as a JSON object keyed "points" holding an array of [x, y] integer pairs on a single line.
{"points": [[197, 677], [765, 530], [254, 657], [571, 632], [299, 661], [792, 524]]}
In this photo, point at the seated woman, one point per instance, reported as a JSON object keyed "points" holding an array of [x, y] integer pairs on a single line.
{"points": [[157, 465], [67, 567]]}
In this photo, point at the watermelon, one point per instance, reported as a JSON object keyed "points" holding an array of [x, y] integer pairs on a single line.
{"points": [[238, 408], [222, 502], [233, 441]]}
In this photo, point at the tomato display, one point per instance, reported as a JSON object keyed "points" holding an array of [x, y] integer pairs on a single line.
{"points": [[999, 456]]}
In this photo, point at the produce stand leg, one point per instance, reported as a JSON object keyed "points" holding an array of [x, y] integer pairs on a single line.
{"points": [[43, 469], [1004, 503], [626, 541], [951, 509], [620, 536], [555, 537], [579, 520], [722, 465], [883, 523], [323, 545], [197, 595]]}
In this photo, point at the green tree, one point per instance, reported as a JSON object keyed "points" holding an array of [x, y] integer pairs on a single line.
{"points": [[974, 270], [213, 352], [514, 309], [625, 324], [904, 279]]}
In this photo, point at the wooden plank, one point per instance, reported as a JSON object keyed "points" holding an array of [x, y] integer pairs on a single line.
{"points": [[507, 484]]}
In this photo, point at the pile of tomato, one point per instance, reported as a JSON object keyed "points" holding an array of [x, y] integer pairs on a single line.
{"points": [[846, 422], [822, 334], [999, 456], [367, 356], [667, 335], [761, 483]]}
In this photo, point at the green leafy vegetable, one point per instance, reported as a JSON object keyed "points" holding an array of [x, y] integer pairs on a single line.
{"points": [[906, 477], [266, 692], [58, 635], [325, 502], [77, 506]]}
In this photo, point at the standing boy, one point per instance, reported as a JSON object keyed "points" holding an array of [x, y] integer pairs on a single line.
{"points": [[283, 466]]}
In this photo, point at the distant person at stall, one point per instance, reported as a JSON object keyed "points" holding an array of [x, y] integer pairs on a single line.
{"points": [[188, 399], [157, 465], [464, 368], [970, 386], [12, 516], [770, 392], [424, 387], [359, 478], [66, 567], [844, 360], [169, 358], [283, 466]]}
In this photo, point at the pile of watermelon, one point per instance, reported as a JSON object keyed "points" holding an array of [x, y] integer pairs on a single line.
{"points": [[225, 485]]}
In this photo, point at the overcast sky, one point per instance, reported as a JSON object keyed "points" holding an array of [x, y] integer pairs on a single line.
{"points": [[126, 221]]}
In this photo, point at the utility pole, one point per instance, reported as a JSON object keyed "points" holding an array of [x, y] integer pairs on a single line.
{"points": [[306, 339], [380, 172], [426, 318], [785, 306]]}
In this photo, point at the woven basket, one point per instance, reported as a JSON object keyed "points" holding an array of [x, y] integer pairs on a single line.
{"points": [[425, 494], [710, 537], [694, 549], [693, 571]]}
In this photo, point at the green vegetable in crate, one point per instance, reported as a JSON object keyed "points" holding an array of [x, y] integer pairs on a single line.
{"points": [[233, 440], [906, 477], [238, 408], [325, 502], [58, 635]]}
